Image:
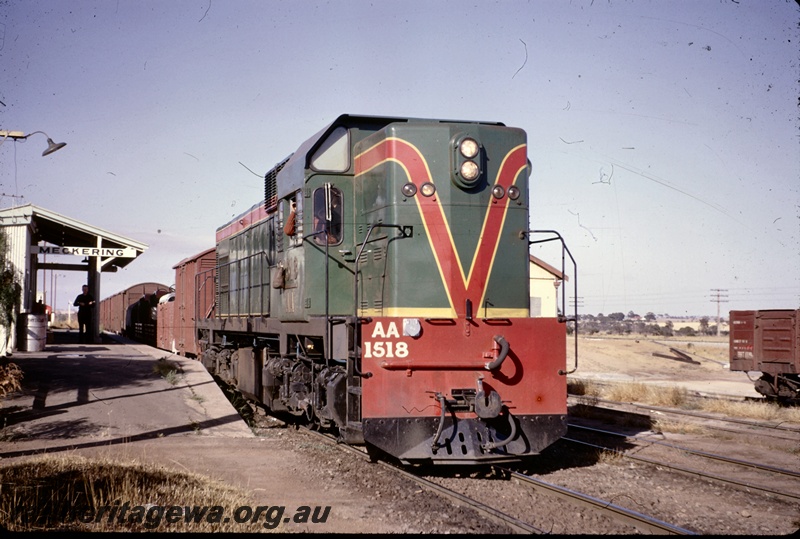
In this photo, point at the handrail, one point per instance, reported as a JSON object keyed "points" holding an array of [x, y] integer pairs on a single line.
{"points": [[563, 317], [356, 319], [328, 328]]}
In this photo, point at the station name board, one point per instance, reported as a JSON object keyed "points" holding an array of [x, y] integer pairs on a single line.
{"points": [[104, 252]]}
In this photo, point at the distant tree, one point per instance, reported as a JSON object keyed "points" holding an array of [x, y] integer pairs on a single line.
{"points": [[686, 331], [618, 317], [10, 289], [632, 315], [650, 317], [704, 325], [9, 286]]}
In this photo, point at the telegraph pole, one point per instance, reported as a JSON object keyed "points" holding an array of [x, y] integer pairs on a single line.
{"points": [[719, 295]]}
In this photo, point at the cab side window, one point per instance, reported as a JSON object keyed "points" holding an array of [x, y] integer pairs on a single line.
{"points": [[328, 215]]}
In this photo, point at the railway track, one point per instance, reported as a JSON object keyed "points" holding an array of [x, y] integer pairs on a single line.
{"points": [[699, 472], [641, 522], [514, 524], [776, 429], [616, 499]]}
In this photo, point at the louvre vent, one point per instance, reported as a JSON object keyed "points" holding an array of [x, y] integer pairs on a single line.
{"points": [[271, 185]]}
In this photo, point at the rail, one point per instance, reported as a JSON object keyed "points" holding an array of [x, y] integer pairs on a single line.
{"points": [[516, 526], [638, 520], [744, 485]]}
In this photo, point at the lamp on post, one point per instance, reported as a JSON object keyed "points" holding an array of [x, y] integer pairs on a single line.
{"points": [[20, 135]]}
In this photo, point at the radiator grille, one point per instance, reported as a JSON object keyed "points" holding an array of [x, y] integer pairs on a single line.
{"points": [[271, 185]]}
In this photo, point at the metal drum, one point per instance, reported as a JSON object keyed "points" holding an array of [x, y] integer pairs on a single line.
{"points": [[32, 332]]}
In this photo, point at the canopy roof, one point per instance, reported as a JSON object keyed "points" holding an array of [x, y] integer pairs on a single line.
{"points": [[60, 230]]}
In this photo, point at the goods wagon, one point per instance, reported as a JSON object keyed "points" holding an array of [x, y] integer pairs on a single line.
{"points": [[768, 341], [193, 298], [113, 310]]}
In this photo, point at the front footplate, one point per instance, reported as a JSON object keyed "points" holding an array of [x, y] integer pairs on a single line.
{"points": [[463, 440]]}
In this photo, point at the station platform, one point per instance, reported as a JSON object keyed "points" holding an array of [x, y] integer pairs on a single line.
{"points": [[115, 393]]}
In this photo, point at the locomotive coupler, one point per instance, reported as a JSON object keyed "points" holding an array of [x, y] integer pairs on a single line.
{"points": [[487, 406]]}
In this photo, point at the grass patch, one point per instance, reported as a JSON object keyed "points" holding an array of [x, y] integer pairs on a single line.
{"points": [[584, 388], [763, 411], [10, 378], [678, 427], [63, 493], [169, 371], [638, 392], [678, 397], [608, 456], [239, 402]]}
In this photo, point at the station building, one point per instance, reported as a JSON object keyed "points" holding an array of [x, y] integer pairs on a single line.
{"points": [[39, 239], [545, 281]]}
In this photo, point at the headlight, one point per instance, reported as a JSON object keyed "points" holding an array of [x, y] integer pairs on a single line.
{"points": [[513, 192], [427, 189], [470, 170], [469, 148], [409, 190], [498, 191]]}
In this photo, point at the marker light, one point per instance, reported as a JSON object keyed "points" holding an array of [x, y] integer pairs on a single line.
{"points": [[498, 191], [409, 190], [469, 148], [513, 192], [411, 327], [427, 189], [470, 170]]}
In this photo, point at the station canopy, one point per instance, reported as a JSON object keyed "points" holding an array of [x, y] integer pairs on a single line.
{"points": [[67, 236]]}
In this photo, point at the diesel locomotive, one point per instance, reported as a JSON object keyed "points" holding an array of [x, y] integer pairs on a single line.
{"points": [[381, 289]]}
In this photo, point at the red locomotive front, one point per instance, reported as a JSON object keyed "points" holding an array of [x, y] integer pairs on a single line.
{"points": [[455, 368]]}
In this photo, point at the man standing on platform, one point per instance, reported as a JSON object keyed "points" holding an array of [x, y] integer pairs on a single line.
{"points": [[85, 303]]}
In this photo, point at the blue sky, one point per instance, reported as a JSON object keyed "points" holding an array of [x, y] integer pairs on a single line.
{"points": [[663, 135]]}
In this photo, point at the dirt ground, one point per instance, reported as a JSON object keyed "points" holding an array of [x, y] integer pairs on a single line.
{"points": [[634, 360]]}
